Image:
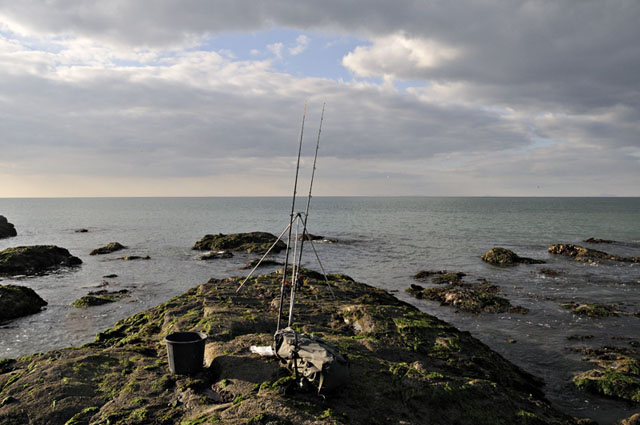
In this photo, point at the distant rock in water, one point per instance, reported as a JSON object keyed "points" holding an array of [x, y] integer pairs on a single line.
{"points": [[254, 242], [309, 237], [35, 259], [216, 255], [17, 301], [109, 248], [99, 298], [136, 257], [588, 255], [439, 277], [596, 240], [7, 229], [265, 263], [505, 257], [594, 310], [81, 230]]}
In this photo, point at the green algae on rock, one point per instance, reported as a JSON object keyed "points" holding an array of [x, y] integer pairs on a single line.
{"points": [[108, 248], [617, 374], [35, 259], [99, 298], [439, 277], [505, 257], [587, 254], [254, 242], [595, 310], [17, 301], [406, 366]]}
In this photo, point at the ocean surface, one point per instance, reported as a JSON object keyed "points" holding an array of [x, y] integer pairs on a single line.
{"points": [[379, 241]]}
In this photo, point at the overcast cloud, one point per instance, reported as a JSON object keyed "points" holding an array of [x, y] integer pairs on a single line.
{"points": [[485, 97]]}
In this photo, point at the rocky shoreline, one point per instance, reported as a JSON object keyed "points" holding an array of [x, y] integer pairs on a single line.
{"points": [[406, 366]]}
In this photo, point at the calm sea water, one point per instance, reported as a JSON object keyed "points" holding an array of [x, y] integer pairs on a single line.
{"points": [[381, 241]]}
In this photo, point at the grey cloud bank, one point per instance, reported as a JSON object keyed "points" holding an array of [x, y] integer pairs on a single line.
{"points": [[522, 98]]}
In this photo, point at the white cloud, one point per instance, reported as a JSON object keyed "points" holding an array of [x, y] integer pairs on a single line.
{"points": [[302, 42], [398, 57], [276, 49]]}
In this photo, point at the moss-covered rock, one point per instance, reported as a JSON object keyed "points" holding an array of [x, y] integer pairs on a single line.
{"points": [[35, 259], [505, 257], [406, 366], [99, 298], [617, 374], [587, 254], [265, 263], [595, 310], [256, 242], [17, 301], [7, 229], [476, 297], [108, 248]]}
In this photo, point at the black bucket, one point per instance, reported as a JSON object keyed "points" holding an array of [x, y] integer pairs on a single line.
{"points": [[185, 351]]}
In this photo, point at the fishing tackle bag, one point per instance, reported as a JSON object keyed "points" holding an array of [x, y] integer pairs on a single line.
{"points": [[316, 361]]}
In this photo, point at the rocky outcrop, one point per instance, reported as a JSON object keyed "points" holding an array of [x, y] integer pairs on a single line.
{"points": [[17, 301], [588, 255], [617, 374], [7, 229], [108, 248], [406, 367], [505, 257], [100, 297], [254, 242], [35, 259]]}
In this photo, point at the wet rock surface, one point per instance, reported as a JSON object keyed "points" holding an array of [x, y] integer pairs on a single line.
{"points": [[478, 297], [406, 366], [505, 257], [17, 301], [439, 277], [254, 242], [7, 229], [617, 374], [35, 259], [264, 263], [216, 255], [588, 255], [100, 297], [595, 310], [108, 248]]}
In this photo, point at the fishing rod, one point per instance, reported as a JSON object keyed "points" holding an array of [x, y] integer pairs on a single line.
{"points": [[291, 219], [296, 267]]}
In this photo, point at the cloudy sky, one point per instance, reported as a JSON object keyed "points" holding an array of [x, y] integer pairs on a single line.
{"points": [[205, 98]]}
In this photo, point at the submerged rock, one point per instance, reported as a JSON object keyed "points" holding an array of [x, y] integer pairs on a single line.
{"points": [[135, 257], [215, 255], [17, 301], [256, 242], [594, 310], [35, 259], [406, 366], [7, 229], [439, 277], [505, 257], [617, 374], [100, 297], [108, 248], [480, 297], [596, 240], [588, 255], [265, 263]]}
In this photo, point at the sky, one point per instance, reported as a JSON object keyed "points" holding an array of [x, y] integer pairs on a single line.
{"points": [[422, 98]]}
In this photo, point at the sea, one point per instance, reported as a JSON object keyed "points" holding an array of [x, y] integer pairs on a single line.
{"points": [[380, 241]]}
